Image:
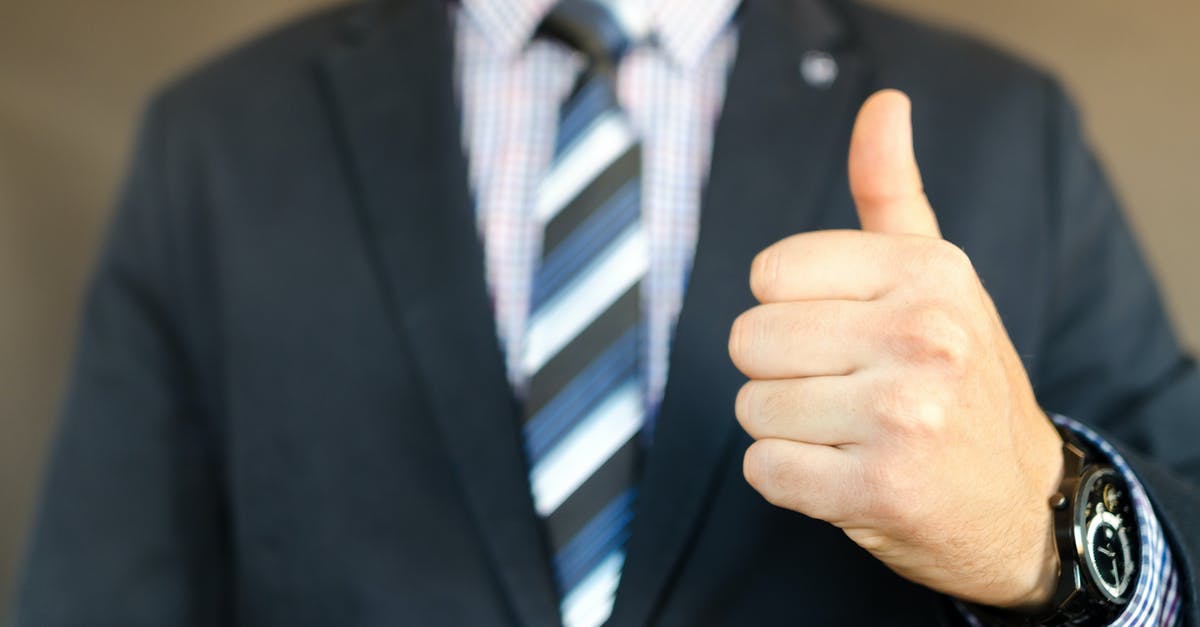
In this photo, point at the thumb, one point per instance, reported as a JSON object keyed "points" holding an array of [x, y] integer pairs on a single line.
{"points": [[884, 178]]}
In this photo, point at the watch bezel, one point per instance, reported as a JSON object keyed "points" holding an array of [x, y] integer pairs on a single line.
{"points": [[1093, 477]]}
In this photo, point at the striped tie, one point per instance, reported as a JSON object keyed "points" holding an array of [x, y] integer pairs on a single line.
{"points": [[585, 402]]}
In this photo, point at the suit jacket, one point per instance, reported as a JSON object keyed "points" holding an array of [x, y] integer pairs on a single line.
{"points": [[289, 406]]}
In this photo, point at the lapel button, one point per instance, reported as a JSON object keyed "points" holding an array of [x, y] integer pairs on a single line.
{"points": [[818, 69]]}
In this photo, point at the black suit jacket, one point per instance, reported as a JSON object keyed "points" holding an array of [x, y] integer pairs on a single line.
{"points": [[289, 406]]}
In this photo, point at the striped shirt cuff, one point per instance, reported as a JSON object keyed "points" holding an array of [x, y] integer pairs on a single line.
{"points": [[1156, 598]]}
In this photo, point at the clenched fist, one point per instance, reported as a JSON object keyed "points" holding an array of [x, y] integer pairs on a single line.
{"points": [[885, 396]]}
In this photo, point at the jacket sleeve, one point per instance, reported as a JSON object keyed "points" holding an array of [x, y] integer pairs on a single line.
{"points": [[129, 529], [1109, 357]]}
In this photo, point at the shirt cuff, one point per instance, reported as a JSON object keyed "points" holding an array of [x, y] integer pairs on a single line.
{"points": [[1155, 600]]}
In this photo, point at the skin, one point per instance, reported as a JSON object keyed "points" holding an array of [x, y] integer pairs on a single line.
{"points": [[885, 396]]}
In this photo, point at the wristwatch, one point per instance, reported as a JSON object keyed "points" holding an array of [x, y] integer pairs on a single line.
{"points": [[1095, 533]]}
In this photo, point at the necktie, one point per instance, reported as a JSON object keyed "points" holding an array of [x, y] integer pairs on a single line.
{"points": [[585, 400]]}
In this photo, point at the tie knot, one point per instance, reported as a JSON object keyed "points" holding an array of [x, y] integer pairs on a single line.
{"points": [[593, 27]]}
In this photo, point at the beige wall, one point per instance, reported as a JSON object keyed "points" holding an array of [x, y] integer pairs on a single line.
{"points": [[73, 73]]}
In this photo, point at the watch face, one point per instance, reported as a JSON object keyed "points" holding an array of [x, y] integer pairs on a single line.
{"points": [[1109, 549]]}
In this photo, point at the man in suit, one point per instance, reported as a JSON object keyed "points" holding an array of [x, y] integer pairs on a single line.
{"points": [[427, 313]]}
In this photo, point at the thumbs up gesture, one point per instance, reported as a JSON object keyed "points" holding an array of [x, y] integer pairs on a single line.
{"points": [[885, 396]]}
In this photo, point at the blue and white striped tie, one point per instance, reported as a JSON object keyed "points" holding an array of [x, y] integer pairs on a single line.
{"points": [[585, 402]]}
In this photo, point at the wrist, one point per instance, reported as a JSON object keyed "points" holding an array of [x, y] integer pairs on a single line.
{"points": [[1096, 545], [1047, 473], [1033, 573], [1041, 597]]}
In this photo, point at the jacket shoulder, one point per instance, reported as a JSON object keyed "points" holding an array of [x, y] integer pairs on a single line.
{"points": [[268, 71], [928, 58]]}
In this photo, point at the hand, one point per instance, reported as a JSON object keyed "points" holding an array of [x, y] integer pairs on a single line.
{"points": [[885, 396]]}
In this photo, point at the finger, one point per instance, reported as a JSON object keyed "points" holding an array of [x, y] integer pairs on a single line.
{"points": [[817, 410], [804, 339], [884, 178], [818, 481], [841, 265]]}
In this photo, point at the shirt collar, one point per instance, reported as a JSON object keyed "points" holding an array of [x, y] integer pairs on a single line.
{"points": [[685, 29]]}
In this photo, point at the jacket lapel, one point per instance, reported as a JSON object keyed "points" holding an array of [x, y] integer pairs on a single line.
{"points": [[390, 86], [779, 150]]}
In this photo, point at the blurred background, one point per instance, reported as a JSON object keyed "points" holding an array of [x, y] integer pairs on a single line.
{"points": [[73, 76]]}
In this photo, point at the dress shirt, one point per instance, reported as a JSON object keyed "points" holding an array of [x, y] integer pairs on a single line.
{"points": [[511, 86]]}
